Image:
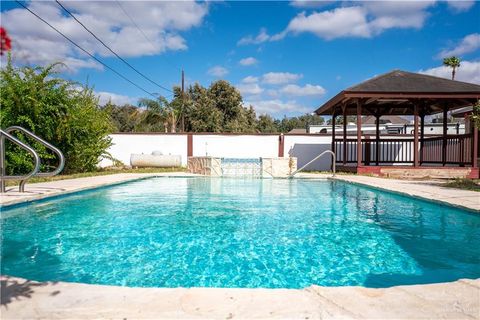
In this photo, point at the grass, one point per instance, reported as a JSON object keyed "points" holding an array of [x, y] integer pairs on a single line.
{"points": [[464, 184], [100, 172], [340, 173]]}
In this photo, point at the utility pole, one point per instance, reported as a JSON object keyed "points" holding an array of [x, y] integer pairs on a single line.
{"points": [[183, 101]]}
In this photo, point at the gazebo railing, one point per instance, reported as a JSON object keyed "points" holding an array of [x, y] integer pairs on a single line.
{"points": [[393, 150], [458, 150]]}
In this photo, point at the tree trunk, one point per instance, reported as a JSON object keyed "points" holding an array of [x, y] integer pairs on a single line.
{"points": [[453, 73]]}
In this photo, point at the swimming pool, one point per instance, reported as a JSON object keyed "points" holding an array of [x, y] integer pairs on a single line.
{"points": [[249, 233]]}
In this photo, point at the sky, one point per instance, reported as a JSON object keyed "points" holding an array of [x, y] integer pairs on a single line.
{"points": [[286, 58]]}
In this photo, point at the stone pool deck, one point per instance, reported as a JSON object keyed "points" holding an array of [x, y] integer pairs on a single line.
{"points": [[22, 299]]}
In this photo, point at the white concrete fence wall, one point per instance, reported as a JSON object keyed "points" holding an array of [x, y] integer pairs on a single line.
{"points": [[123, 145], [303, 147], [236, 146], [307, 147]]}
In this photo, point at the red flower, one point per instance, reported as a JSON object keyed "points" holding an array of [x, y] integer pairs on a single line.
{"points": [[5, 41]]}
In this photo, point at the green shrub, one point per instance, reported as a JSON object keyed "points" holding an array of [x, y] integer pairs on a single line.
{"points": [[61, 112]]}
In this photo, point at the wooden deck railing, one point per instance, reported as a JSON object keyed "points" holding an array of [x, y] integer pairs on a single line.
{"points": [[457, 150]]}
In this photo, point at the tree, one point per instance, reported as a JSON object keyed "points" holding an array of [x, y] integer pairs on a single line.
{"points": [[475, 116], [160, 112], [204, 116], [124, 118], [57, 110], [452, 62], [266, 124], [227, 99]]}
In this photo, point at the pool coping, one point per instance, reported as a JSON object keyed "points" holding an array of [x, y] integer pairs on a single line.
{"points": [[23, 299]]}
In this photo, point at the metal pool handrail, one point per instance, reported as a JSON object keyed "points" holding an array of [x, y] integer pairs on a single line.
{"points": [[22, 178], [314, 159], [59, 153]]}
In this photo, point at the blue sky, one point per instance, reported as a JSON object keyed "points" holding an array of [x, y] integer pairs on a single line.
{"points": [[286, 58]]}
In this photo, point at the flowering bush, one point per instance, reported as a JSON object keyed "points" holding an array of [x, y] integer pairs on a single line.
{"points": [[5, 41]]}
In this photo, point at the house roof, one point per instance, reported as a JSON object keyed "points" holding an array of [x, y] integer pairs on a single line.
{"points": [[298, 130], [460, 113], [397, 92], [391, 119]]}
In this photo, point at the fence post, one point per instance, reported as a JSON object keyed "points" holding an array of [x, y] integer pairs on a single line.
{"points": [[189, 145], [281, 145]]}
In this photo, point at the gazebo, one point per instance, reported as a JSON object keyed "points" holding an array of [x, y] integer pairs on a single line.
{"points": [[413, 154]]}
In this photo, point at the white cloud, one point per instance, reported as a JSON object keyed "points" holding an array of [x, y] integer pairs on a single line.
{"points": [[307, 90], [340, 22], [262, 37], [248, 61], [118, 99], [250, 89], [362, 19], [468, 44], [277, 106], [469, 71], [280, 77], [217, 71], [460, 5], [161, 21], [250, 79], [309, 3], [273, 93]]}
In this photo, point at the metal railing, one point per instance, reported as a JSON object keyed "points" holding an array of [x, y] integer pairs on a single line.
{"points": [[35, 172], [314, 159]]}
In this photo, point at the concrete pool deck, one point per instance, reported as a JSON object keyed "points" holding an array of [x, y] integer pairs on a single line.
{"points": [[23, 299]]}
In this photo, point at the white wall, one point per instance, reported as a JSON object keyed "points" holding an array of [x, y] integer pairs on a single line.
{"points": [[236, 146], [305, 148], [126, 144]]}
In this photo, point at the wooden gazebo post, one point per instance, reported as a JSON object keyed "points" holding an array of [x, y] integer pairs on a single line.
{"points": [[333, 133], [422, 133], [415, 135], [475, 145], [344, 151], [444, 140], [377, 137], [359, 133]]}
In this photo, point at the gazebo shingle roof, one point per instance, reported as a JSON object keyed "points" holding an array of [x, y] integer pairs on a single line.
{"points": [[396, 93], [403, 81]]}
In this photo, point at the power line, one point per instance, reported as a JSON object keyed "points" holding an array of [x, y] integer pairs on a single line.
{"points": [[110, 49], [143, 33], [85, 51]]}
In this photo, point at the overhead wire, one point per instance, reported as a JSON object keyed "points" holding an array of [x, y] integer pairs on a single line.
{"points": [[85, 51], [111, 50], [174, 66]]}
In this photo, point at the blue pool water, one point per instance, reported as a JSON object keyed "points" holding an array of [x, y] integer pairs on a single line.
{"points": [[184, 232]]}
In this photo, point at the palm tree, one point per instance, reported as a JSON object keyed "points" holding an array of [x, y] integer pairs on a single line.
{"points": [[159, 113], [452, 62]]}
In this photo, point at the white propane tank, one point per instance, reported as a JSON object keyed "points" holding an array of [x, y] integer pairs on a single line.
{"points": [[156, 159]]}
